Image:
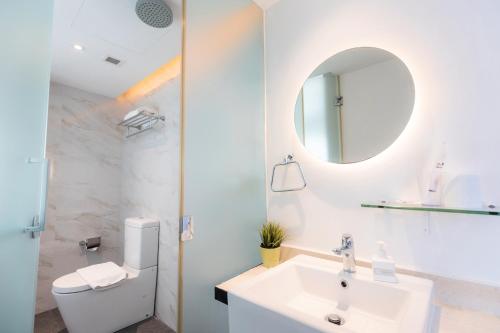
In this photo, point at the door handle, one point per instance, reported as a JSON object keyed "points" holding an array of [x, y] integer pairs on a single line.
{"points": [[38, 222], [35, 228]]}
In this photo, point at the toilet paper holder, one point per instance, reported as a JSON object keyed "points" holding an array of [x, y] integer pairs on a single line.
{"points": [[90, 244]]}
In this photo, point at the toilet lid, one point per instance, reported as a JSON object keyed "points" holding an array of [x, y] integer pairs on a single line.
{"points": [[69, 283]]}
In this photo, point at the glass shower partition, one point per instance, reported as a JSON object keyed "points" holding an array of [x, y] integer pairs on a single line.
{"points": [[25, 27], [224, 169]]}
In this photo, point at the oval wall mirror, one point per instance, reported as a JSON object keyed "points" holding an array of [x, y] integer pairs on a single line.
{"points": [[354, 105]]}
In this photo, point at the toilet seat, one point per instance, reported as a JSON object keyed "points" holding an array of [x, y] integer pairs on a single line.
{"points": [[69, 283], [75, 282]]}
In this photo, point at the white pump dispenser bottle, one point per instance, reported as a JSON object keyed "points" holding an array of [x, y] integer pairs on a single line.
{"points": [[383, 266]]}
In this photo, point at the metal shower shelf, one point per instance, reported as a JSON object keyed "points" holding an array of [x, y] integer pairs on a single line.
{"points": [[144, 120]]}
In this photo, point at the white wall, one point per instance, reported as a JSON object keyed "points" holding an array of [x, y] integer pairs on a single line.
{"points": [[378, 101], [448, 47]]}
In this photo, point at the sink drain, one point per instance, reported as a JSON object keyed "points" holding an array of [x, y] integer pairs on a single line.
{"points": [[335, 319]]}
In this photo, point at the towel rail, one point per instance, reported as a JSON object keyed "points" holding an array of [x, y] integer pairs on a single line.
{"points": [[288, 161]]}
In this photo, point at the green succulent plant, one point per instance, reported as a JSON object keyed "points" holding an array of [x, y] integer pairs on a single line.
{"points": [[271, 235]]}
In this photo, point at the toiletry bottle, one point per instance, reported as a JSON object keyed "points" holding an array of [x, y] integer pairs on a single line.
{"points": [[433, 192], [432, 196], [383, 266]]}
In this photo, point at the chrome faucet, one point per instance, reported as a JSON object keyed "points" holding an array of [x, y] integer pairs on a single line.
{"points": [[347, 253]]}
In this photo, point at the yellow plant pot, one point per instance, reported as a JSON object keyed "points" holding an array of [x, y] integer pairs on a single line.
{"points": [[270, 257]]}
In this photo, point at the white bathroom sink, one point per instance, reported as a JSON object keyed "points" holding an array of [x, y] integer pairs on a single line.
{"points": [[298, 295]]}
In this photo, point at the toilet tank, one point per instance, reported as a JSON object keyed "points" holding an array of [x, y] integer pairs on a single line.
{"points": [[141, 242]]}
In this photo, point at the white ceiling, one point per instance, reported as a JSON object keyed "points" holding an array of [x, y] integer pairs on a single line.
{"points": [[109, 28], [265, 4]]}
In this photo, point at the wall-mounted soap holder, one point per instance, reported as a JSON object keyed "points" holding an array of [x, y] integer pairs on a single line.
{"points": [[90, 245]]}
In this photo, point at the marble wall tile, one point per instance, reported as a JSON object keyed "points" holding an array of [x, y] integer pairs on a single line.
{"points": [[150, 188], [84, 147], [98, 178]]}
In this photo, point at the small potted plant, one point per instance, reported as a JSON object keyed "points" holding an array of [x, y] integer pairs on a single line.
{"points": [[271, 236]]}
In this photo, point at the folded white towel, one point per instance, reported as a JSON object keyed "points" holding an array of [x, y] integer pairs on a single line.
{"points": [[131, 114], [102, 276], [140, 109]]}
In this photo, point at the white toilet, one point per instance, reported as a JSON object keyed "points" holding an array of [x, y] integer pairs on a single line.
{"points": [[121, 303]]}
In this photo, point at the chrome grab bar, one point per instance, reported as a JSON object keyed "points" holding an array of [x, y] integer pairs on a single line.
{"points": [[38, 222]]}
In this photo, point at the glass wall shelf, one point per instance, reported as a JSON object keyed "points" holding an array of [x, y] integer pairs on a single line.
{"points": [[489, 210]]}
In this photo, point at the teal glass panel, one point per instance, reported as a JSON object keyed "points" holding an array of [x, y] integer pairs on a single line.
{"points": [[24, 84], [224, 170]]}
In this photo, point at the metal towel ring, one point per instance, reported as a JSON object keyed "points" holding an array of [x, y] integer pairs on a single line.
{"points": [[287, 161]]}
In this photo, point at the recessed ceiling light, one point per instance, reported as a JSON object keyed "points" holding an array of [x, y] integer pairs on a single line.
{"points": [[78, 47]]}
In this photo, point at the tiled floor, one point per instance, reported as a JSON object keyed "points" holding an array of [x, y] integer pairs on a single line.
{"points": [[52, 322]]}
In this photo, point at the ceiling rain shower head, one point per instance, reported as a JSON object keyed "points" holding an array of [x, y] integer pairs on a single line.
{"points": [[155, 13]]}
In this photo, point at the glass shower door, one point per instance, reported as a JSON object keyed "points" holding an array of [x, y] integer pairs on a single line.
{"points": [[24, 84]]}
